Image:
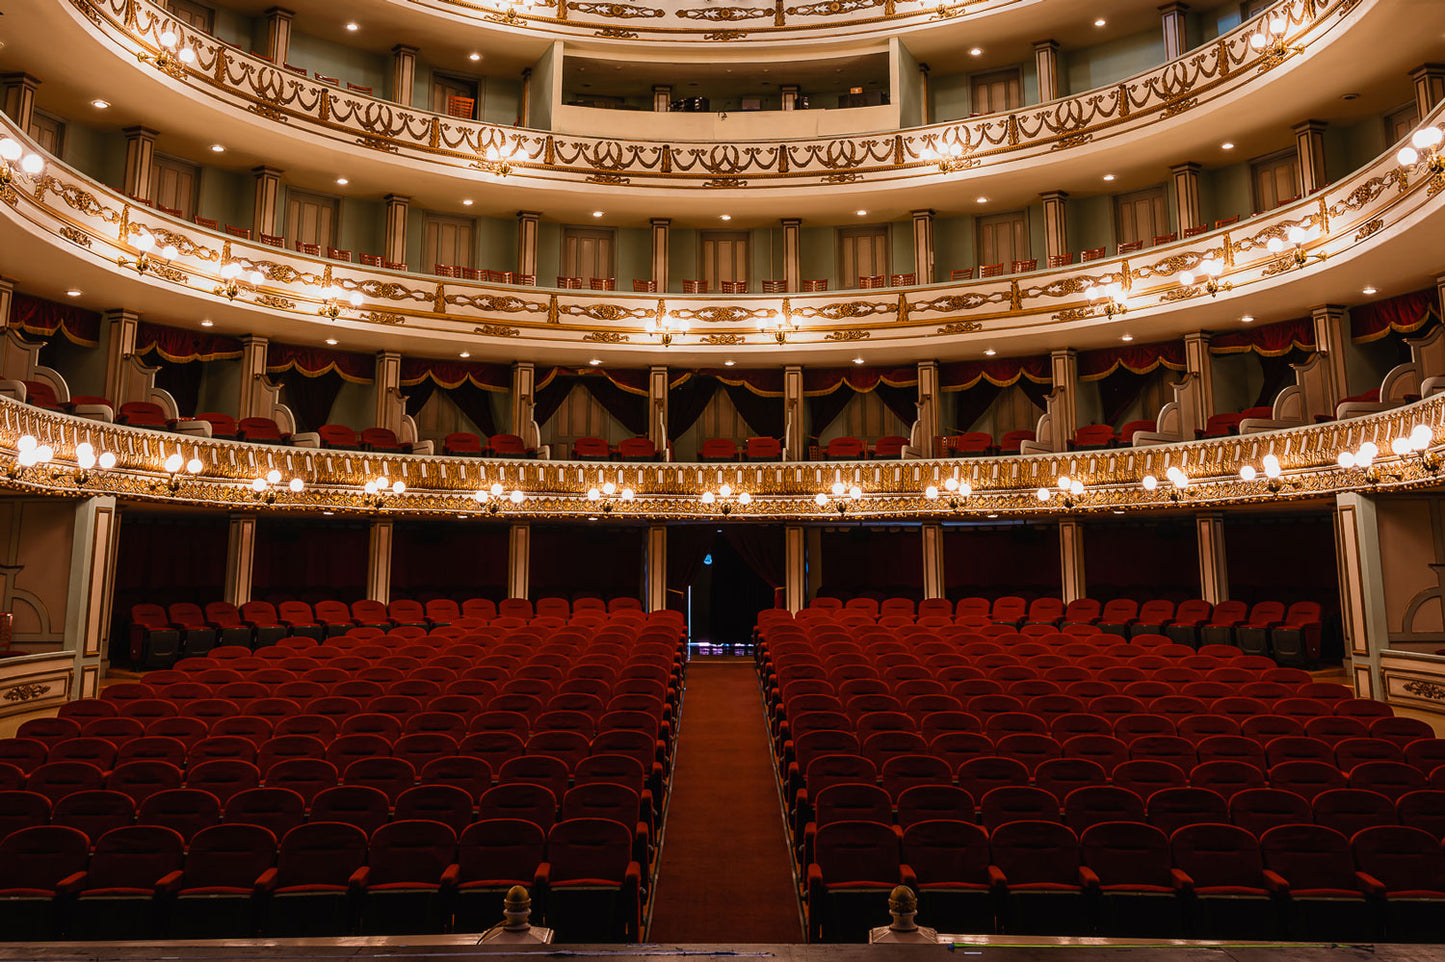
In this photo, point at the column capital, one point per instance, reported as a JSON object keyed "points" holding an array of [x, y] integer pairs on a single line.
{"points": [[1046, 45], [402, 199], [1048, 195], [661, 222], [1424, 70], [1198, 337], [280, 13], [30, 80], [790, 221], [529, 215], [254, 340], [266, 171], [404, 49], [1168, 8], [923, 68], [923, 212], [1064, 354], [388, 355], [1310, 126], [141, 132], [1187, 167]]}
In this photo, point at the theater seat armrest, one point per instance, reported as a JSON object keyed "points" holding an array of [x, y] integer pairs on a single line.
{"points": [[451, 876], [358, 879], [1370, 885], [265, 882], [420, 447], [1088, 878], [815, 876], [1275, 883], [908, 877], [542, 876], [996, 878], [71, 884], [306, 439], [170, 882], [634, 875], [1182, 881]]}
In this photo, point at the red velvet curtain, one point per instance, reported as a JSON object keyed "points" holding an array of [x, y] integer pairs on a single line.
{"points": [[763, 548], [687, 545], [315, 361], [1143, 560], [308, 396], [882, 561], [1133, 358], [34, 315], [310, 560], [180, 346], [182, 382], [1001, 560], [455, 559], [1270, 340], [451, 374], [764, 413], [1405, 314], [588, 559], [1284, 558], [998, 371], [686, 401], [166, 558]]}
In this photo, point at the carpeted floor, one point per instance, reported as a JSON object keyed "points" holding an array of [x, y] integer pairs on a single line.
{"points": [[726, 872]]}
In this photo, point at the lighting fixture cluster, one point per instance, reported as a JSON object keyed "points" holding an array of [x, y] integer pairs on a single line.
{"points": [[606, 496], [13, 156], [30, 453], [492, 497], [1210, 268], [1178, 480], [265, 487], [173, 57], [666, 326], [955, 492], [231, 273], [337, 299], [1070, 491], [1425, 144], [842, 496], [1274, 478], [1114, 296], [1292, 245], [146, 256], [726, 498], [499, 160]]}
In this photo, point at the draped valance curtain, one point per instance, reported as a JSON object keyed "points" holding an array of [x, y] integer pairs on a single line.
{"points": [[180, 346], [1268, 340], [34, 315], [1406, 314]]}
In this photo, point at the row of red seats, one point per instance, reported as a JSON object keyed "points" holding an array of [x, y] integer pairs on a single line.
{"points": [[324, 879], [1213, 881]]}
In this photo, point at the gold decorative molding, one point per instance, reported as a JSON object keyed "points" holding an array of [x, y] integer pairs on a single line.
{"points": [[25, 692], [382, 317], [849, 334], [961, 327], [722, 340], [605, 337], [76, 236], [496, 330]]}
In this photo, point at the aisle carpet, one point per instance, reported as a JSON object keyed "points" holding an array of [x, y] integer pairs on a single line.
{"points": [[726, 872]]}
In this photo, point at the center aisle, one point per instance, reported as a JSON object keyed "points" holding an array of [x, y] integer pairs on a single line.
{"points": [[726, 873]]}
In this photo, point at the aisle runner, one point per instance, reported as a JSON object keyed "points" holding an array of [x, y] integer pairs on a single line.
{"points": [[725, 873]]}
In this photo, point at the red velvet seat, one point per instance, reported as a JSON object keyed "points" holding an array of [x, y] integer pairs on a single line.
{"points": [[217, 891], [508, 446], [320, 874], [260, 431], [762, 449], [846, 449], [462, 444], [1136, 895], [142, 414]]}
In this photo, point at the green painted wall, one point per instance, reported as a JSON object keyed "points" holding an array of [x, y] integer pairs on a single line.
{"points": [[1091, 222], [900, 247], [97, 153], [681, 256], [347, 64], [220, 387], [496, 239], [819, 259], [361, 227], [953, 244], [549, 253], [235, 28], [1225, 192], [1207, 25], [1111, 61], [227, 196], [632, 258], [355, 405]]}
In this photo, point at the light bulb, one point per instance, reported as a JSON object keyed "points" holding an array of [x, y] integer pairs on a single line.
{"points": [[259, 484], [1369, 450], [931, 492], [855, 492], [1045, 494], [398, 487], [106, 461], [1274, 245], [169, 252], [1408, 157], [1186, 278], [32, 164], [726, 490], [168, 39], [273, 476], [25, 458], [144, 241], [820, 499], [1433, 135], [1173, 473], [1419, 139], [965, 489], [354, 299], [1149, 482], [838, 489], [496, 490], [383, 482], [480, 497], [1077, 488], [610, 489], [1400, 446], [950, 484], [1212, 267], [1063, 482], [369, 487], [744, 498], [231, 270], [187, 55], [26, 443], [1271, 466], [1298, 235], [628, 494], [1420, 437], [174, 463], [517, 496], [194, 466], [1363, 458], [9, 149], [1278, 25], [296, 485], [708, 497], [1258, 41], [1346, 459], [1181, 482], [85, 455], [256, 277], [593, 494], [1247, 472]]}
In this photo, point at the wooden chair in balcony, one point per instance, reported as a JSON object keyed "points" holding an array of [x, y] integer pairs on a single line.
{"points": [[463, 107], [332, 81], [775, 287], [569, 283], [394, 265], [1061, 260], [1196, 231], [272, 240], [1165, 239], [173, 211], [205, 222], [444, 270], [991, 270], [263, 56], [734, 287], [815, 286], [869, 281], [1026, 265], [242, 232], [902, 280], [1130, 247], [358, 88], [1226, 221], [370, 260], [304, 248], [643, 287], [494, 277], [962, 274], [525, 280], [300, 70], [338, 255], [602, 283], [1092, 254], [694, 287], [469, 273]]}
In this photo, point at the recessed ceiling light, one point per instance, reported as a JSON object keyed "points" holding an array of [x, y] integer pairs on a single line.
{"points": [[1227, 145], [74, 292], [597, 213], [861, 213], [218, 148], [1126, 337], [1108, 177], [467, 202], [729, 363], [474, 57], [990, 352], [1247, 319], [465, 354], [328, 513], [99, 104], [207, 322], [1369, 290], [595, 361], [981, 200], [342, 181], [993, 516], [976, 52], [857, 360], [353, 26], [725, 217], [1100, 22], [331, 341]]}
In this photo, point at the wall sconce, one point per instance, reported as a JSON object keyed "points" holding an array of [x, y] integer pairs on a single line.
{"points": [[499, 160], [1292, 247], [145, 242], [176, 467], [665, 326], [1211, 268], [30, 453], [605, 495], [1071, 491], [951, 159], [780, 326], [494, 496], [1270, 36], [725, 498], [264, 488], [231, 274], [1274, 478], [1178, 480], [955, 493], [173, 59], [1425, 141], [1113, 295], [337, 300], [1417, 444], [86, 460], [378, 489], [12, 153], [842, 496]]}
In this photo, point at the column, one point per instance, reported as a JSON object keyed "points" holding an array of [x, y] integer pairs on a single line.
{"points": [[933, 561], [524, 379], [923, 245], [1331, 338], [528, 222], [1064, 401], [813, 556], [90, 590], [790, 93], [140, 151], [1056, 222], [1186, 194], [7, 298], [923, 92], [393, 249], [526, 97], [926, 429], [252, 403], [378, 562], [240, 559], [403, 74], [1071, 559], [792, 254], [1046, 63], [795, 568], [18, 90], [656, 567], [390, 406], [661, 229], [1213, 563], [1429, 86], [1176, 34], [266, 214], [657, 407], [661, 98], [1309, 139], [1200, 363], [119, 331], [278, 34], [793, 426], [1362, 590], [519, 560]]}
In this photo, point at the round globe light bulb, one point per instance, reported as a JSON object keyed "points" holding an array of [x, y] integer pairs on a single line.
{"points": [[296, 485], [32, 164], [231, 270], [1346, 459], [855, 492], [369, 487], [1044, 494], [609, 489], [480, 497], [144, 241], [85, 455], [27, 442], [1173, 473], [931, 492], [354, 298], [496, 489], [398, 487], [1400, 446], [258, 484], [174, 463], [169, 252], [950, 484], [1408, 156], [9, 149], [273, 476], [726, 490], [44, 454], [628, 494], [1274, 245], [708, 497], [744, 498], [106, 460], [1186, 278], [1247, 473], [1077, 488], [517, 496], [820, 499], [965, 489], [194, 466], [1370, 449], [383, 482], [594, 495], [838, 489], [1149, 482], [256, 277], [168, 39], [1063, 482]]}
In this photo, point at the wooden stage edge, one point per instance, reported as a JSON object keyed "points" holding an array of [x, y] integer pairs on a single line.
{"points": [[983, 949]]}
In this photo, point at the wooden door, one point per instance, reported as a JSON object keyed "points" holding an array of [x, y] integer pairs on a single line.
{"points": [[1141, 216], [447, 240], [310, 219], [1003, 238], [862, 252], [724, 257], [587, 252]]}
